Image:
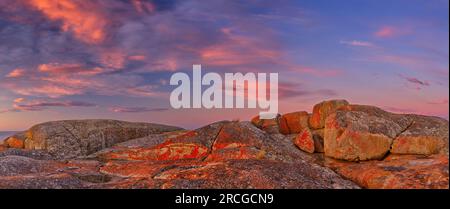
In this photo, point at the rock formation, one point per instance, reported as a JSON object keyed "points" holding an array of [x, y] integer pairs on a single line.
{"points": [[294, 150]]}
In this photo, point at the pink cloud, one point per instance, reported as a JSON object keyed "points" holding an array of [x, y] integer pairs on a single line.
{"points": [[78, 17], [385, 32], [392, 31], [16, 73], [358, 43], [239, 50]]}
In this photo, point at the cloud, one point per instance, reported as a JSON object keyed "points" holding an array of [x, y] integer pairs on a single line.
{"points": [[78, 17], [21, 105], [289, 90], [439, 102], [18, 100], [392, 31], [358, 43], [136, 109], [417, 83], [385, 32], [16, 73]]}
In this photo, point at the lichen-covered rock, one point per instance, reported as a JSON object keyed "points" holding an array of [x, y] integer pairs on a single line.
{"points": [[191, 145], [69, 139], [360, 132], [305, 141], [397, 172], [294, 123], [271, 126], [16, 141], [230, 174], [322, 110], [426, 135]]}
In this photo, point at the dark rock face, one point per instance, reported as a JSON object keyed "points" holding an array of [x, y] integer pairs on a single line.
{"points": [[69, 139]]}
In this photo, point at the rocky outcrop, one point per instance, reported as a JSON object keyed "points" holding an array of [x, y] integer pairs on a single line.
{"points": [[290, 151], [425, 135], [271, 126], [322, 110], [294, 123], [69, 139], [16, 141], [359, 132], [221, 155], [397, 172]]}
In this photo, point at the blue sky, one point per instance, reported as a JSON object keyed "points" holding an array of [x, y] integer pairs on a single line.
{"points": [[72, 59]]}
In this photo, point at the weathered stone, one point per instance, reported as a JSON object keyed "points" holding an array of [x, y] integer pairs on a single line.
{"points": [[305, 141], [255, 174], [270, 126], [192, 145], [318, 136], [69, 139], [322, 110], [397, 172], [33, 154], [426, 135], [51, 181], [294, 123], [16, 141], [358, 132], [18, 165]]}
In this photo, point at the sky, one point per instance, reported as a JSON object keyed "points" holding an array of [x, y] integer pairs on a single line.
{"points": [[77, 59]]}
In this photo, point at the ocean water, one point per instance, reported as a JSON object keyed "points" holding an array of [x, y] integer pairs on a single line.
{"points": [[4, 134]]}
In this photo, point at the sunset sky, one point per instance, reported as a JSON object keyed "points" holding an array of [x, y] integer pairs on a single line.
{"points": [[78, 59]]}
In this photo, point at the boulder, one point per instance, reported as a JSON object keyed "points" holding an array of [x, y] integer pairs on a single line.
{"points": [[270, 126], [397, 172], [305, 141], [322, 110], [359, 132], [16, 141], [294, 123], [426, 135], [69, 139]]}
